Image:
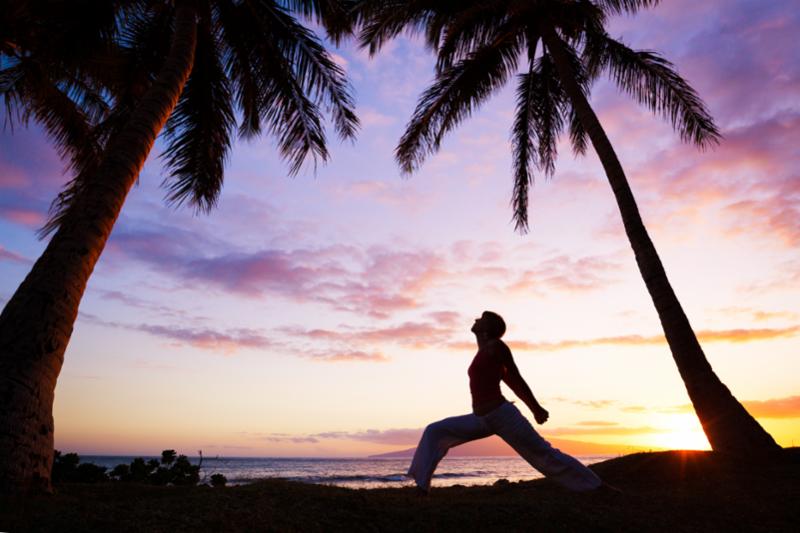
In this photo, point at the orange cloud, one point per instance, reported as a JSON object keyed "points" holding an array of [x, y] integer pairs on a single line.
{"points": [[788, 407], [352, 355], [728, 335], [606, 430], [776, 408]]}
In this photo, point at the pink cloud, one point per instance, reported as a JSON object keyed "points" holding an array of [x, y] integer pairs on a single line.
{"points": [[24, 217], [8, 255], [401, 437], [416, 335], [564, 273], [446, 318], [12, 177], [375, 282], [226, 342]]}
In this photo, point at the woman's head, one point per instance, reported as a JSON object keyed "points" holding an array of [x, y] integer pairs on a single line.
{"points": [[490, 324]]}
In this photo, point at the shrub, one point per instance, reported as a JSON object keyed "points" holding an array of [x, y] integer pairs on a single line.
{"points": [[218, 480], [168, 457], [68, 468]]}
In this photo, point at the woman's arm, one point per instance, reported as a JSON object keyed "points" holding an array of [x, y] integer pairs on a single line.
{"points": [[517, 383]]}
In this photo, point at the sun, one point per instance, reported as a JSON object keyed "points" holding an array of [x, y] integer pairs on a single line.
{"points": [[682, 432]]}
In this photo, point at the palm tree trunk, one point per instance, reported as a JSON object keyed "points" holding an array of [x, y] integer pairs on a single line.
{"points": [[36, 323], [728, 426]]}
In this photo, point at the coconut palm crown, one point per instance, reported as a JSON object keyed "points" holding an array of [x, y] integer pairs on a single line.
{"points": [[557, 49]]}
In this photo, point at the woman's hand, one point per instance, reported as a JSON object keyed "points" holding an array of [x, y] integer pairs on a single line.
{"points": [[541, 415]]}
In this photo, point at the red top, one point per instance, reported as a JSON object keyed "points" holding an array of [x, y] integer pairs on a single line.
{"points": [[485, 373]]}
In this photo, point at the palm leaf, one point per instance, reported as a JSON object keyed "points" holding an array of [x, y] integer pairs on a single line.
{"points": [[456, 92], [237, 30], [382, 21], [467, 30], [28, 90], [619, 7], [523, 150], [314, 69], [333, 15], [549, 106], [199, 129], [653, 81]]}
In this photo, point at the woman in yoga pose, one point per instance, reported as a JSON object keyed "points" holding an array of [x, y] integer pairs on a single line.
{"points": [[492, 414]]}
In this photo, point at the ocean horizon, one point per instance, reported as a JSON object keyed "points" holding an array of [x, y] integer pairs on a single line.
{"points": [[353, 472]]}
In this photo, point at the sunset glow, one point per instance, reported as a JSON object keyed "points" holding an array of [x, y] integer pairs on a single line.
{"points": [[329, 314]]}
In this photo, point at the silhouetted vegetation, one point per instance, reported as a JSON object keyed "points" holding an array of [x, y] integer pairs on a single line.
{"points": [[218, 480], [172, 469], [68, 469]]}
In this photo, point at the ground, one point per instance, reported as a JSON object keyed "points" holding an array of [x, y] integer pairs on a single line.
{"points": [[665, 491]]}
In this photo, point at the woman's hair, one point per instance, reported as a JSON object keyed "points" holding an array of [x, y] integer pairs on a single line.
{"points": [[496, 324]]}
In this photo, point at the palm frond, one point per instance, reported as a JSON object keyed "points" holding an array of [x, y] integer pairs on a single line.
{"points": [[523, 150], [266, 87], [455, 93], [289, 114], [237, 32], [381, 21], [295, 121], [577, 133], [549, 106], [467, 30], [653, 82], [30, 91], [618, 7], [145, 40], [314, 69], [333, 15], [199, 129]]}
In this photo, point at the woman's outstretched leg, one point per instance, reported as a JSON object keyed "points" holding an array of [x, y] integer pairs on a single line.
{"points": [[518, 432], [437, 439]]}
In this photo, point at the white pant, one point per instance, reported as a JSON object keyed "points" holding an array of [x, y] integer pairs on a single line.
{"points": [[507, 422]]}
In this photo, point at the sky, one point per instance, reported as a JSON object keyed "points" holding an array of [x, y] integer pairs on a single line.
{"points": [[328, 314]]}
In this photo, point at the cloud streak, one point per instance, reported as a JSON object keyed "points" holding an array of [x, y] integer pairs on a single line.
{"points": [[788, 407], [8, 255], [740, 335], [398, 436]]}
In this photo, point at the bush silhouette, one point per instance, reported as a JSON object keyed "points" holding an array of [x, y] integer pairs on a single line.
{"points": [[168, 457], [171, 469], [68, 468]]}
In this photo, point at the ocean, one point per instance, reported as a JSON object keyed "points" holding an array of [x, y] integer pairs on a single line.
{"points": [[356, 473]]}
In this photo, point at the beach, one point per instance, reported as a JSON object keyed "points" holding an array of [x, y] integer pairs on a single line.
{"points": [[664, 491]]}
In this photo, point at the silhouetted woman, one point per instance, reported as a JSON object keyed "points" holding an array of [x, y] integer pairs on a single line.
{"points": [[494, 415]]}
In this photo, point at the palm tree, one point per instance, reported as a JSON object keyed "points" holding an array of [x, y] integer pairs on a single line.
{"points": [[180, 66], [564, 48]]}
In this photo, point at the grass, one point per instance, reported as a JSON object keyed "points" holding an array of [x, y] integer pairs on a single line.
{"points": [[675, 491]]}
